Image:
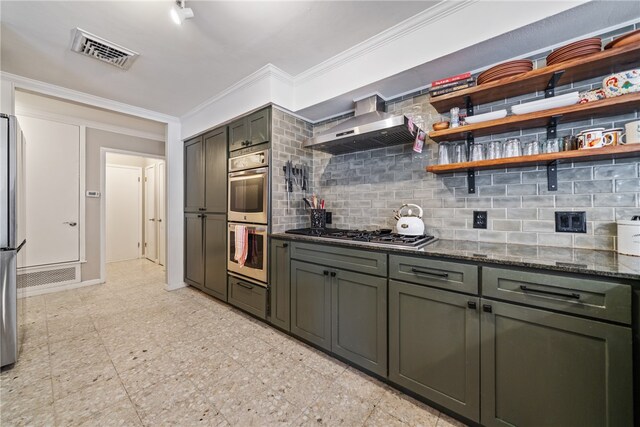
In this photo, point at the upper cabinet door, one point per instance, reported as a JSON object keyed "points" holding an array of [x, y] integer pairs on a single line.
{"points": [[238, 134], [215, 144], [259, 125], [250, 130], [194, 175]]}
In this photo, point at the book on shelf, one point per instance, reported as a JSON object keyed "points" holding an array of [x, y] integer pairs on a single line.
{"points": [[455, 88], [451, 79], [452, 84]]}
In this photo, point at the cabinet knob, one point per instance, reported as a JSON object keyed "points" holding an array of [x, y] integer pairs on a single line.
{"points": [[487, 308], [285, 245], [471, 304], [333, 274], [326, 272]]}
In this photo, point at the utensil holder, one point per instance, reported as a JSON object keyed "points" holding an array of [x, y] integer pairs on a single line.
{"points": [[318, 218]]}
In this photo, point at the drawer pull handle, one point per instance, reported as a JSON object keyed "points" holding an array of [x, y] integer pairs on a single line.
{"points": [[487, 308], [472, 304], [430, 273], [244, 285], [559, 294]]}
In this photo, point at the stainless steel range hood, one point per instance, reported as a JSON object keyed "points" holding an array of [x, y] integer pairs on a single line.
{"points": [[370, 128]]}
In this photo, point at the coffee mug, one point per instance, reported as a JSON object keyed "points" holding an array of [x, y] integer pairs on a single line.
{"points": [[612, 136], [632, 133], [593, 138]]}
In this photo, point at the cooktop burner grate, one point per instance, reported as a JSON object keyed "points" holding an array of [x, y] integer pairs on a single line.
{"points": [[382, 236]]}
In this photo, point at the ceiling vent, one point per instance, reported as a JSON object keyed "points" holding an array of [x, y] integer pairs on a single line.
{"points": [[96, 47]]}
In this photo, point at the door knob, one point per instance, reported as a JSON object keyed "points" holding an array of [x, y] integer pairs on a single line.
{"points": [[71, 223]]}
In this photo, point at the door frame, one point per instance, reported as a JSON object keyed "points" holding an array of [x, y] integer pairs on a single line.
{"points": [[155, 208], [103, 204], [140, 207]]}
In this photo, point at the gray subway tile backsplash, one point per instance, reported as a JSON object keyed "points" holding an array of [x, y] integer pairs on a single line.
{"points": [[362, 188]]}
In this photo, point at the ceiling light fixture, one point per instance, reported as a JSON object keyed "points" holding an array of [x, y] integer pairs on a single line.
{"points": [[179, 13]]}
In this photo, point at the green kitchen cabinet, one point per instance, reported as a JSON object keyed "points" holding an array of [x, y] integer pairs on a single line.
{"points": [[434, 345], [215, 255], [205, 172], [250, 130], [311, 303], [194, 174], [205, 261], [359, 319], [541, 368], [280, 284], [342, 311], [193, 249]]}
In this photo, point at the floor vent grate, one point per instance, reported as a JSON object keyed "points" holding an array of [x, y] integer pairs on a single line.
{"points": [[96, 47], [39, 278]]}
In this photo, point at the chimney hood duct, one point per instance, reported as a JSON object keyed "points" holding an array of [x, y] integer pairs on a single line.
{"points": [[370, 128]]}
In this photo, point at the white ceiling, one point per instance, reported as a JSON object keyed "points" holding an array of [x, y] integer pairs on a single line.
{"points": [[183, 66]]}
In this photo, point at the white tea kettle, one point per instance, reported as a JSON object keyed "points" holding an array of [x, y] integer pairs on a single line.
{"points": [[410, 224]]}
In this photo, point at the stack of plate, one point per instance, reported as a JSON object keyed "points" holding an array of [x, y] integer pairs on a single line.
{"points": [[546, 103], [510, 68], [575, 50], [625, 39]]}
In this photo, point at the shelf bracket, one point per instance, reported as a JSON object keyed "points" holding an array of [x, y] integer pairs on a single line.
{"points": [[471, 181], [468, 105], [552, 176], [551, 127], [550, 90], [469, 141]]}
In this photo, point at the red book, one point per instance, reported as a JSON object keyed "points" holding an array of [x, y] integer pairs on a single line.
{"points": [[451, 79]]}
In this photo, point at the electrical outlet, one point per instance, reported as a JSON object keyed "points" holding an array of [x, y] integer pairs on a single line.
{"points": [[479, 219], [328, 216], [571, 222]]}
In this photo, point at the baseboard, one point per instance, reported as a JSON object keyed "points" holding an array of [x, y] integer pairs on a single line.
{"points": [[53, 287], [173, 287]]}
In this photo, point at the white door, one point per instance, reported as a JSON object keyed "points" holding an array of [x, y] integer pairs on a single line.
{"points": [[52, 175], [123, 199], [151, 229], [162, 248]]}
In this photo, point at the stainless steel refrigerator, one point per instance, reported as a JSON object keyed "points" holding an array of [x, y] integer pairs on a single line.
{"points": [[12, 234]]}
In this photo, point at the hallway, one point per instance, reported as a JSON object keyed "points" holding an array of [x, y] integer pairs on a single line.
{"points": [[130, 353]]}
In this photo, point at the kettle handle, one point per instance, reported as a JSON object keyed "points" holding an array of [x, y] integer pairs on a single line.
{"points": [[411, 204]]}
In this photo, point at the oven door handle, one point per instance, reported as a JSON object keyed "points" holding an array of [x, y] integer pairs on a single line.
{"points": [[249, 172], [252, 229]]}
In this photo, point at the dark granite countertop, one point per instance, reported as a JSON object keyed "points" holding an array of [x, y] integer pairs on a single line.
{"points": [[567, 260]]}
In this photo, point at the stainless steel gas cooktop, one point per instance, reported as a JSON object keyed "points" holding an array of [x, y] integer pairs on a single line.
{"points": [[382, 237]]}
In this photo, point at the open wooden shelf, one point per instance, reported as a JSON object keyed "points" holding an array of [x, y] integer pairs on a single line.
{"points": [[598, 64], [629, 150], [605, 107]]}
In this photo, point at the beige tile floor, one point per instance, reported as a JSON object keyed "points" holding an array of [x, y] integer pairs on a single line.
{"points": [[130, 353]]}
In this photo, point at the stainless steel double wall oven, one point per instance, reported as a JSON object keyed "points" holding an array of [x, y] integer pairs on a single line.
{"points": [[248, 205]]}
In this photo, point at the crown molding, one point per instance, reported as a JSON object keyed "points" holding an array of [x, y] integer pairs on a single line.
{"points": [[409, 25], [28, 84], [269, 71]]}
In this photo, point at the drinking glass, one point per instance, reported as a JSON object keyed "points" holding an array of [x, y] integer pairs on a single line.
{"points": [[459, 153], [552, 145], [444, 154], [476, 152], [512, 148], [494, 150], [530, 148], [568, 143]]}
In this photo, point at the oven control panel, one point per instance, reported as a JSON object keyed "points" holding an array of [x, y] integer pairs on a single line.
{"points": [[249, 161]]}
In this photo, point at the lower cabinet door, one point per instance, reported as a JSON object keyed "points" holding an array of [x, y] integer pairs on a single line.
{"points": [[215, 232], [279, 285], [434, 345], [359, 319], [311, 303], [193, 250], [545, 369]]}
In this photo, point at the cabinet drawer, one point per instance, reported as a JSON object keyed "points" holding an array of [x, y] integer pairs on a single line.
{"points": [[593, 298], [248, 296], [440, 274], [344, 258]]}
